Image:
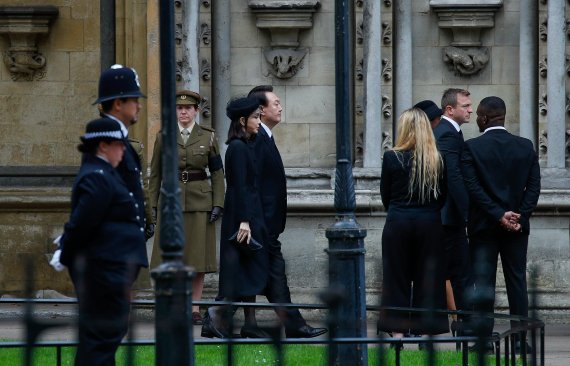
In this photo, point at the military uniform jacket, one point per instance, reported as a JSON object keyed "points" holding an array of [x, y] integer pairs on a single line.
{"points": [[105, 221], [199, 152]]}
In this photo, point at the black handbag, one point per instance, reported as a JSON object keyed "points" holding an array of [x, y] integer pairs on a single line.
{"points": [[253, 245]]}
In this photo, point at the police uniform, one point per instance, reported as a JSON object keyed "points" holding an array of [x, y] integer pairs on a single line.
{"points": [[199, 194], [103, 245]]}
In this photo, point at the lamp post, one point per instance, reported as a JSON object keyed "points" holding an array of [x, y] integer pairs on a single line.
{"points": [[173, 280], [346, 238]]}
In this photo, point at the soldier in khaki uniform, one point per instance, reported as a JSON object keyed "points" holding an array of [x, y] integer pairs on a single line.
{"points": [[202, 199]]}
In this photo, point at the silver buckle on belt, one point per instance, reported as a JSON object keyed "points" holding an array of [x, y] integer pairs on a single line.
{"points": [[184, 176]]}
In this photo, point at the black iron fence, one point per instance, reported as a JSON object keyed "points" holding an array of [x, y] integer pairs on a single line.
{"points": [[531, 330]]}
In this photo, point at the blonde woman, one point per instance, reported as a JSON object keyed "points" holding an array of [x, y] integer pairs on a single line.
{"points": [[412, 250]]}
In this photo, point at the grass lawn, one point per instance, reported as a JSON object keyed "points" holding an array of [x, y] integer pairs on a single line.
{"points": [[245, 355]]}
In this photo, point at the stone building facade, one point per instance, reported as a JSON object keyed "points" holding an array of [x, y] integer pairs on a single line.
{"points": [[405, 51]]}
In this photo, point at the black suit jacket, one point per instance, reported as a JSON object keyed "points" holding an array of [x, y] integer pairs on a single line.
{"points": [[271, 182], [502, 174], [105, 222], [450, 145]]}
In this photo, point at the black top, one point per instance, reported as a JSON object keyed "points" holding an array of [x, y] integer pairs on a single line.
{"points": [[242, 273], [394, 189], [105, 220], [502, 173]]}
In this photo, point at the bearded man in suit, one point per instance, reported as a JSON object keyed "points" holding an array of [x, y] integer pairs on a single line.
{"points": [[272, 185], [502, 176]]}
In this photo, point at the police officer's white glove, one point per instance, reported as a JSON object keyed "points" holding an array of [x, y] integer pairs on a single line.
{"points": [[54, 262]]}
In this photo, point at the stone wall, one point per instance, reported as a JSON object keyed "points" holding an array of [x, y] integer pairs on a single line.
{"points": [[42, 119]]}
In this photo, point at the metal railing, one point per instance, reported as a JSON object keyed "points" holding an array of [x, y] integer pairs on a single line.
{"points": [[505, 353]]}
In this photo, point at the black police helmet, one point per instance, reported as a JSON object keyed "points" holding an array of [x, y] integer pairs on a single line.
{"points": [[118, 82]]}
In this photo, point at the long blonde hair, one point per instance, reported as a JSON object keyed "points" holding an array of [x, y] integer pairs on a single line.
{"points": [[415, 135]]}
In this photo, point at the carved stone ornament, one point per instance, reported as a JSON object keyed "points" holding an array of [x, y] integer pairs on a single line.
{"points": [[386, 33], [386, 69], [205, 107], [284, 19], [360, 3], [284, 62], [360, 32], [543, 105], [543, 142], [543, 66], [205, 70], [206, 3], [466, 18], [205, 33], [23, 25], [388, 3], [466, 62], [386, 107], [543, 30], [359, 70], [178, 34], [386, 141]]}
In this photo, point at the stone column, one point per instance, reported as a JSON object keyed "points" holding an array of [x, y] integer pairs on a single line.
{"points": [[191, 45], [556, 81], [372, 84], [221, 75], [528, 75], [402, 58]]}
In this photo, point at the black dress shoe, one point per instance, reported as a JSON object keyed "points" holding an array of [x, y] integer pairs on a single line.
{"points": [[253, 332], [306, 331], [209, 328]]}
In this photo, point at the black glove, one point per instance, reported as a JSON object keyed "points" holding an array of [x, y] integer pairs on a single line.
{"points": [[217, 212], [148, 231], [154, 213]]}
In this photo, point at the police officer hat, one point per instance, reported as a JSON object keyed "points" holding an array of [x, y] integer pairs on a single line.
{"points": [[102, 129], [241, 107], [188, 97], [118, 82], [430, 108]]}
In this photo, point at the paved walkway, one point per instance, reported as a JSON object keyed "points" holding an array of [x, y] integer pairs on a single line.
{"points": [[557, 335]]}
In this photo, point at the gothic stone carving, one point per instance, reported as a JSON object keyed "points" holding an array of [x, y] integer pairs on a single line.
{"points": [[284, 62], [386, 33], [543, 105], [466, 62], [543, 30], [386, 69], [181, 64], [543, 142], [360, 70], [360, 3], [22, 25], [284, 19], [386, 141], [206, 3], [360, 32], [205, 33], [543, 66], [386, 107], [388, 3], [205, 70], [205, 107], [178, 34]]}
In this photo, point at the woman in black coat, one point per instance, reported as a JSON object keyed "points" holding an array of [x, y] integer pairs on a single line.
{"points": [[412, 249], [244, 261], [103, 244]]}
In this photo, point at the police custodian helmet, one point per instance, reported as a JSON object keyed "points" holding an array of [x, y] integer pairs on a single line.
{"points": [[118, 82]]}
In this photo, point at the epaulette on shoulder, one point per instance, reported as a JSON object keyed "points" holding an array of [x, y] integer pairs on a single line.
{"points": [[134, 141], [206, 128], [99, 171]]}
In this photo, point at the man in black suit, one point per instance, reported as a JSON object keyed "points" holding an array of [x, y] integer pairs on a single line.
{"points": [[457, 108], [502, 176], [273, 191]]}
